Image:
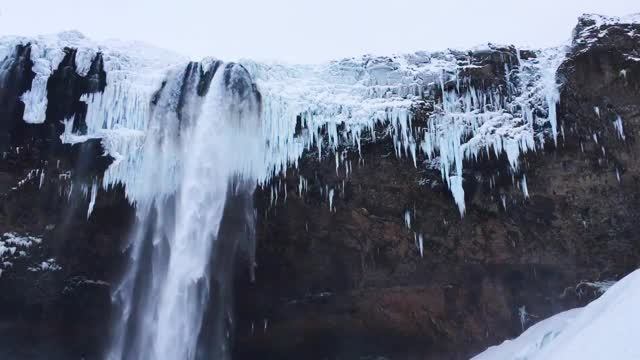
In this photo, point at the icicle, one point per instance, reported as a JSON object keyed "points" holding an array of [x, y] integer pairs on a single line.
{"points": [[523, 185], [331, 200], [455, 183], [618, 125], [523, 315], [275, 190], [94, 194], [420, 242], [41, 178], [407, 219]]}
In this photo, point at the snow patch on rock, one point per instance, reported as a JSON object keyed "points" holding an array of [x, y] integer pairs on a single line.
{"points": [[14, 246]]}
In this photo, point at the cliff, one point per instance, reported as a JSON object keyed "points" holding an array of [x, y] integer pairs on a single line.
{"points": [[361, 255]]}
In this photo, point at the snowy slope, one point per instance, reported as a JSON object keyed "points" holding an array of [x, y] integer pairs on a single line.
{"points": [[607, 328]]}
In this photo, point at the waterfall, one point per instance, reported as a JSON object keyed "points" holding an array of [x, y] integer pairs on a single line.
{"points": [[200, 161], [189, 142]]}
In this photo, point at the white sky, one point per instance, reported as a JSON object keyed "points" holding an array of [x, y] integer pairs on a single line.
{"points": [[307, 30]]}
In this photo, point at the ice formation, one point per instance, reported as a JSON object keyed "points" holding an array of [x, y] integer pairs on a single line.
{"points": [[320, 108], [607, 328], [617, 124], [347, 99], [187, 136]]}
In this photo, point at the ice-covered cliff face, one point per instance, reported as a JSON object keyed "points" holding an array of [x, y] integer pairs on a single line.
{"points": [[324, 108], [189, 142], [476, 108]]}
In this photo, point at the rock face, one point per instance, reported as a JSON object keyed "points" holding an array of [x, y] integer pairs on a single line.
{"points": [[387, 268], [352, 282]]}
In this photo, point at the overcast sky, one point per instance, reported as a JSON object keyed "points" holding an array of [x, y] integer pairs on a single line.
{"points": [[307, 31]]}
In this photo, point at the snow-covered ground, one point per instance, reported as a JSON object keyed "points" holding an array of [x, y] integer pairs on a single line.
{"points": [[606, 329]]}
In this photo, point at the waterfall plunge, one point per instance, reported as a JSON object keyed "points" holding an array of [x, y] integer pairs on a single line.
{"points": [[199, 164]]}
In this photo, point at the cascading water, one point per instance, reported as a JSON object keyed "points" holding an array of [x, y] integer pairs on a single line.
{"points": [[199, 152]]}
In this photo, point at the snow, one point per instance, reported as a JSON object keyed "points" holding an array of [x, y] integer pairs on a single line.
{"points": [[607, 328], [14, 246], [47, 265], [598, 27], [601, 20]]}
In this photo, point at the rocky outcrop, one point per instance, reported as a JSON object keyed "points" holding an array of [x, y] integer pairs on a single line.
{"points": [[349, 278], [352, 283], [61, 313]]}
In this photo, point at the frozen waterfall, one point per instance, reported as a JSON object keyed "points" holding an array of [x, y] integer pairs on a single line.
{"points": [[199, 151]]}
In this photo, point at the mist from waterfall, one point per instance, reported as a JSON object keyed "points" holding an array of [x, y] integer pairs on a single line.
{"points": [[199, 163]]}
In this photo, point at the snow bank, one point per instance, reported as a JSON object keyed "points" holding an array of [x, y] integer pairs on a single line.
{"points": [[607, 328]]}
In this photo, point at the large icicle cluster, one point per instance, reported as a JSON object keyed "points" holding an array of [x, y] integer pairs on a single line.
{"points": [[46, 54], [319, 107], [347, 99]]}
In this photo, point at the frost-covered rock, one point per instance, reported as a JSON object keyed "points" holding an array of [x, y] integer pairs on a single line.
{"points": [[14, 246]]}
